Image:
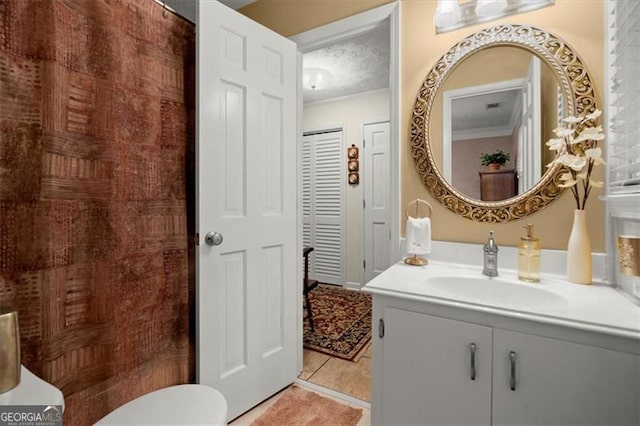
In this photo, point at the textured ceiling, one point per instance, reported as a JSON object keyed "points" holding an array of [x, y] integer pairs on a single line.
{"points": [[471, 113], [359, 64]]}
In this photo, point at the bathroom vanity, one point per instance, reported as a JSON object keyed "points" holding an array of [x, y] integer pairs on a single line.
{"points": [[454, 347]]}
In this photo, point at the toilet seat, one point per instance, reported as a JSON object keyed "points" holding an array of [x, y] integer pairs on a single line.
{"points": [[180, 405]]}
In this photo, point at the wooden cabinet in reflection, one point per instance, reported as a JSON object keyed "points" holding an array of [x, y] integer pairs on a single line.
{"points": [[496, 186]]}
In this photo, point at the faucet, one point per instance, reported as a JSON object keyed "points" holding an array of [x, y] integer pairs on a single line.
{"points": [[490, 268]]}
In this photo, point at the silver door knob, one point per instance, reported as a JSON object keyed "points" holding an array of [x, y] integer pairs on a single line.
{"points": [[213, 239]]}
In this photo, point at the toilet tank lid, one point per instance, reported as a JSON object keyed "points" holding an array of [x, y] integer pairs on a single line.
{"points": [[32, 390], [180, 404]]}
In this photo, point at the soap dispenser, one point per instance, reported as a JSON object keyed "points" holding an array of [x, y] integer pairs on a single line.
{"points": [[490, 249], [529, 256]]}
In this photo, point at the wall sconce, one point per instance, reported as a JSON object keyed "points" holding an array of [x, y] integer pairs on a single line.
{"points": [[316, 78], [451, 15]]}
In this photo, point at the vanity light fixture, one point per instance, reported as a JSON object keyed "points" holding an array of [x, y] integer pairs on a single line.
{"points": [[479, 11], [316, 78], [447, 13]]}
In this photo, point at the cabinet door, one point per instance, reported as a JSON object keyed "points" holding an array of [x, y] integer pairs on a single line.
{"points": [[426, 371], [562, 383]]}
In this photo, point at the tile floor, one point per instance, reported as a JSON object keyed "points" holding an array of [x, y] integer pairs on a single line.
{"points": [[347, 377], [247, 418]]}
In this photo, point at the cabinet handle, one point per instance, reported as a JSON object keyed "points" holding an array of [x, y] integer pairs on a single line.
{"points": [[472, 350], [512, 380], [381, 328]]}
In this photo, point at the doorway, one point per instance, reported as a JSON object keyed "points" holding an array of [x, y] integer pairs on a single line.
{"points": [[351, 28], [339, 112]]}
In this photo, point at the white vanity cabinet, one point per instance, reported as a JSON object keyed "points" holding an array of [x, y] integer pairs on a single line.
{"points": [[427, 371], [424, 362], [562, 383]]}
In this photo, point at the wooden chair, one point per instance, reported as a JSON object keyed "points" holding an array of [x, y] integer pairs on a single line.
{"points": [[307, 286]]}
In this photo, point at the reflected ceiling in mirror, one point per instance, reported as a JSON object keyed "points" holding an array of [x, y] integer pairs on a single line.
{"points": [[498, 58]]}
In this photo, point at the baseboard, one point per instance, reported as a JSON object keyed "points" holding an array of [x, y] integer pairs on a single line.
{"points": [[353, 285], [321, 389]]}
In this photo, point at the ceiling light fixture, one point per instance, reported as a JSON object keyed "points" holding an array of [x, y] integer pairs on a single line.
{"points": [[486, 8], [316, 78], [447, 13]]}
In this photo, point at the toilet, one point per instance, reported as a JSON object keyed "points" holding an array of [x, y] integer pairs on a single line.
{"points": [[32, 390], [181, 404]]}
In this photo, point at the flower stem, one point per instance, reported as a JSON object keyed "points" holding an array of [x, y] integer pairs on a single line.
{"points": [[574, 189], [587, 187]]}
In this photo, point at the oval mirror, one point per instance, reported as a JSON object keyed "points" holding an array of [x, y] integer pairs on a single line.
{"points": [[511, 107], [496, 96]]}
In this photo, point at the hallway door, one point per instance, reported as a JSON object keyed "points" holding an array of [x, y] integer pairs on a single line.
{"points": [[529, 138], [247, 279], [377, 209]]}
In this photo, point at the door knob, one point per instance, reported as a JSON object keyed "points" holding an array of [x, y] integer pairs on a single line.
{"points": [[213, 238]]}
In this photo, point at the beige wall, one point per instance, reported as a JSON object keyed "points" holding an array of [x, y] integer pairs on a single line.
{"points": [[579, 22], [351, 114]]}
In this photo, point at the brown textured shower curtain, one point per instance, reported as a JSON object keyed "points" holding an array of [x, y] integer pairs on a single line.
{"points": [[96, 150]]}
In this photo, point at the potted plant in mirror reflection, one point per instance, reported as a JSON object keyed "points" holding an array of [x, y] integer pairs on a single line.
{"points": [[577, 150], [495, 160]]}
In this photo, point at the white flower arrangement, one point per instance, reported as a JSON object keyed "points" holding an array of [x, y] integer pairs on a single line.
{"points": [[578, 153]]}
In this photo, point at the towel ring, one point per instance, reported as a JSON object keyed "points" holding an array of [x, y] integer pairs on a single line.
{"points": [[417, 202], [416, 260]]}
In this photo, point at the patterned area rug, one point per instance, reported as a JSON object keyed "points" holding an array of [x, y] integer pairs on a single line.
{"points": [[342, 320], [300, 407]]}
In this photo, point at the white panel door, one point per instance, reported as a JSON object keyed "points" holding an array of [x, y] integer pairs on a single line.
{"points": [[377, 211], [323, 211], [553, 382], [247, 174], [529, 136]]}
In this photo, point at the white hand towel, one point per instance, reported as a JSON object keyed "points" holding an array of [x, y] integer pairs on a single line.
{"points": [[418, 236]]}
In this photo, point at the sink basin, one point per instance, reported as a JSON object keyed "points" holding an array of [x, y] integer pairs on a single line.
{"points": [[493, 291]]}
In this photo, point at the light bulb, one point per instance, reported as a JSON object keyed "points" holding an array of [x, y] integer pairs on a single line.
{"points": [[486, 8], [447, 13]]}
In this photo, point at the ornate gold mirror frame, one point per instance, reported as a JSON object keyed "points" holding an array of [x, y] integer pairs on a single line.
{"points": [[577, 89]]}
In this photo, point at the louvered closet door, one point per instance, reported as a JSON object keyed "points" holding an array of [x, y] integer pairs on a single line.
{"points": [[323, 205]]}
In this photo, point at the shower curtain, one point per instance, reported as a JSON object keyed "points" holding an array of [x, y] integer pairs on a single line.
{"points": [[96, 186]]}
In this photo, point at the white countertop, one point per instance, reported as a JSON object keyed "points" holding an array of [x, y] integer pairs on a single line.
{"points": [[597, 307]]}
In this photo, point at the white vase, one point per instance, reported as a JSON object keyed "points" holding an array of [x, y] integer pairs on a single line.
{"points": [[579, 251]]}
